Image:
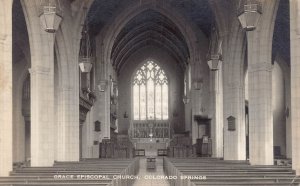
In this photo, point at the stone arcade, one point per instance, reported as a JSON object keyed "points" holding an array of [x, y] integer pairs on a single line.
{"points": [[132, 78]]}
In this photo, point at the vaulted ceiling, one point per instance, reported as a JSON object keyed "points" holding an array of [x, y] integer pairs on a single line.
{"points": [[103, 11], [150, 28]]}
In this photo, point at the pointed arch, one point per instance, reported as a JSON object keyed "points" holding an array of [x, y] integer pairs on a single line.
{"points": [[150, 92], [184, 26]]}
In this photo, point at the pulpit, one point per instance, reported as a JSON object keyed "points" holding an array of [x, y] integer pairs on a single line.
{"points": [[204, 147], [203, 143]]}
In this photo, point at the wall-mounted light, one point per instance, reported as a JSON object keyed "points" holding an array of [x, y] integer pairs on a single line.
{"points": [[102, 86], [186, 99], [125, 115], [214, 61], [197, 84], [114, 100]]}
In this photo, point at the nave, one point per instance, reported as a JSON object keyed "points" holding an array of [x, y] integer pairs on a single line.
{"points": [[148, 176], [98, 86], [168, 172]]}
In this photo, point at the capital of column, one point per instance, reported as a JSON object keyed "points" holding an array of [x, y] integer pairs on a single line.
{"points": [[39, 70], [260, 67]]}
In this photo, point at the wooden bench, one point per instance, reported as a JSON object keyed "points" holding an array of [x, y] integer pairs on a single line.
{"points": [[204, 171], [88, 172]]}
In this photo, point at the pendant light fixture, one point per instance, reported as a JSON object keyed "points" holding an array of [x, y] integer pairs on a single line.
{"points": [[85, 53], [249, 12], [214, 56], [50, 16]]}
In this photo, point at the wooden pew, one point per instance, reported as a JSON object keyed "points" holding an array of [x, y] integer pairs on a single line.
{"points": [[212, 171], [88, 172]]}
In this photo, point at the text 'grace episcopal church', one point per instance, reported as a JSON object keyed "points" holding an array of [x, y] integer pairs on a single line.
{"points": [[149, 92]]}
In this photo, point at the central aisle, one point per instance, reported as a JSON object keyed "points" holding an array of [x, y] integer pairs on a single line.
{"points": [[147, 173]]}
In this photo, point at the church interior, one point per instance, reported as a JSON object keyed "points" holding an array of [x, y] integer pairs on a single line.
{"points": [[203, 91]]}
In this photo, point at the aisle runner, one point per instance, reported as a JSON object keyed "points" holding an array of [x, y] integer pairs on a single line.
{"points": [[151, 178]]}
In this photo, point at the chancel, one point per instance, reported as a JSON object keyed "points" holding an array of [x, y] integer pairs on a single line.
{"points": [[141, 92]]}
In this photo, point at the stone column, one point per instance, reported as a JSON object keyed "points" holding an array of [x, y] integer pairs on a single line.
{"points": [[260, 87], [42, 87], [295, 82], [235, 140], [42, 114], [67, 49], [6, 87], [68, 125], [217, 119], [233, 47], [260, 105], [234, 94], [102, 105]]}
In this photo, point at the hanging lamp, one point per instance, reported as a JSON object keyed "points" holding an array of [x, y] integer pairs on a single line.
{"points": [[214, 56], [85, 53], [50, 16], [249, 12]]}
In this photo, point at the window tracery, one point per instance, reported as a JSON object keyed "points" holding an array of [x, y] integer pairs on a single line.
{"points": [[150, 93]]}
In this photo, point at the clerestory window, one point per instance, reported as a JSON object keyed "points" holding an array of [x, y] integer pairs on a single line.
{"points": [[150, 93]]}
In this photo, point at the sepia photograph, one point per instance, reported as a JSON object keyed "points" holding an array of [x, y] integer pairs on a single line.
{"points": [[149, 92]]}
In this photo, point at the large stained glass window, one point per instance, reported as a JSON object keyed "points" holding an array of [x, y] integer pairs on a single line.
{"points": [[150, 93]]}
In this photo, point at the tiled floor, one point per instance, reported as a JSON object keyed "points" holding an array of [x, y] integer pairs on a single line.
{"points": [[145, 175]]}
